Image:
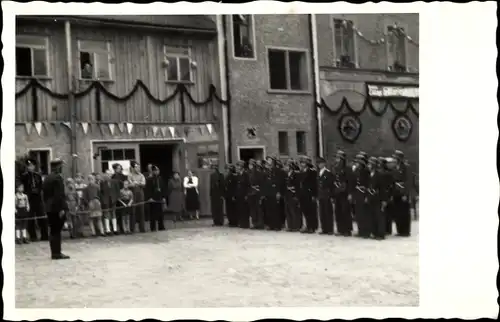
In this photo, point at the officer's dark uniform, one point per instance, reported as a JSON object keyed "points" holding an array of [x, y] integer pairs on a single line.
{"points": [[343, 216], [217, 196], [325, 196], [270, 192], [56, 207], [379, 194], [242, 190], [401, 196], [280, 175], [307, 195], [156, 190], [291, 186], [32, 182], [231, 210], [360, 195], [254, 195]]}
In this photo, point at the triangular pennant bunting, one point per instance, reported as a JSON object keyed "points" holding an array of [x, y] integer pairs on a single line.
{"points": [[112, 128], [85, 127], [29, 128], [121, 126], [67, 124], [130, 126], [103, 127], [164, 131], [172, 131], [210, 128], [155, 130], [38, 127]]}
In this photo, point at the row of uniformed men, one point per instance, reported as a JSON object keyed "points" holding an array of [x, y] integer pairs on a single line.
{"points": [[267, 195]]}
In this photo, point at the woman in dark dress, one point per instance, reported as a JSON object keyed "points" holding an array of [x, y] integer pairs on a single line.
{"points": [[175, 196], [192, 195]]}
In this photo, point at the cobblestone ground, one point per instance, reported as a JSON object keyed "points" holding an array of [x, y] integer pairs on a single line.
{"points": [[202, 266]]}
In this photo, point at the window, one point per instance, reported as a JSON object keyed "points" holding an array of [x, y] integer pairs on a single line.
{"points": [[42, 159], [288, 70], [301, 142], [109, 156], [283, 143], [177, 64], [243, 36], [344, 43], [208, 156], [396, 42], [95, 59], [31, 56]]}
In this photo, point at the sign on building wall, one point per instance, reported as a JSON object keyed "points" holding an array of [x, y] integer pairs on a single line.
{"points": [[392, 91]]}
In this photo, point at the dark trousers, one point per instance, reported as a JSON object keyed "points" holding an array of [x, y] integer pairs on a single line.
{"points": [[309, 210], [36, 210], [156, 216], [402, 216], [217, 211], [243, 213], [343, 216], [292, 211], [281, 206], [326, 215], [378, 217], [137, 215], [389, 217], [272, 213], [362, 215], [256, 213], [231, 212], [56, 224]]}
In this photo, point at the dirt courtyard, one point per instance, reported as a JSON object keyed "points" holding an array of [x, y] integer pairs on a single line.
{"points": [[220, 267]]}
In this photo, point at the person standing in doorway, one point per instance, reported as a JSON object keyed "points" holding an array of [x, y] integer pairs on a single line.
{"points": [[32, 182], [217, 196], [192, 195], [137, 185], [54, 197], [156, 194], [325, 196], [176, 196]]}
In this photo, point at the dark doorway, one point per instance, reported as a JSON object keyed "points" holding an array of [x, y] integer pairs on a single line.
{"points": [[159, 155], [251, 153]]}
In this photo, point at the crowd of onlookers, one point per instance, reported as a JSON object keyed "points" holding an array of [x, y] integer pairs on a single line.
{"points": [[108, 203]]}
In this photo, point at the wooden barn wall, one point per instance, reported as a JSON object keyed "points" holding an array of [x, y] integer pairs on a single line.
{"points": [[135, 55]]}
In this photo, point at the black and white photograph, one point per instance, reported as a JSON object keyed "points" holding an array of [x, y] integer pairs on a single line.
{"points": [[232, 159]]}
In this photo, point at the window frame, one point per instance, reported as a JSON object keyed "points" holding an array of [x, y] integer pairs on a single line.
{"points": [[287, 144], [36, 150], [307, 70], [177, 56], [94, 66], [253, 43], [297, 142], [389, 55], [32, 47], [336, 56]]}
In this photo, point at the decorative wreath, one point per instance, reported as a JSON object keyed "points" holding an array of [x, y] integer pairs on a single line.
{"points": [[350, 127], [402, 127]]}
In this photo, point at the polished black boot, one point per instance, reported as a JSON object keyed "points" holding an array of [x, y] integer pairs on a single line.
{"points": [[56, 248]]}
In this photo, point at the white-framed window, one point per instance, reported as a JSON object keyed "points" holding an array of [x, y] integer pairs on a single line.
{"points": [[396, 48], [288, 69], [32, 56], [243, 29], [344, 42], [95, 60], [177, 62]]}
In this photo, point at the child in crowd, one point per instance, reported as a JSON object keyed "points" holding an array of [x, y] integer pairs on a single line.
{"points": [[22, 213], [80, 185], [75, 226], [91, 197], [124, 206]]}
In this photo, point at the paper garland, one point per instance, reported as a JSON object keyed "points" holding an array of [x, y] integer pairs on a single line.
{"points": [[381, 40], [29, 128], [130, 127]]}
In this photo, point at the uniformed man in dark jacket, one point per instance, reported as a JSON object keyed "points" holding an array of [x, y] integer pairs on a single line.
{"points": [[32, 182], [290, 190], [254, 195], [360, 197], [270, 196], [325, 197], [242, 190], [156, 191], [217, 196], [379, 194], [401, 196], [308, 195], [55, 206], [343, 216], [231, 184]]}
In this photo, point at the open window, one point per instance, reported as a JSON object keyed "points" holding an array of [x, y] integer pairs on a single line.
{"points": [[95, 60], [345, 52], [177, 63], [243, 36], [396, 43], [288, 70], [32, 56]]}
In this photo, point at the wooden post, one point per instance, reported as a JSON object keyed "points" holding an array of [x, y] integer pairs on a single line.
{"points": [[71, 99], [314, 35], [223, 85]]}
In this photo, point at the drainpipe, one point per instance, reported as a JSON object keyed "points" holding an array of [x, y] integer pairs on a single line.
{"points": [[224, 91], [317, 94], [71, 99]]}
